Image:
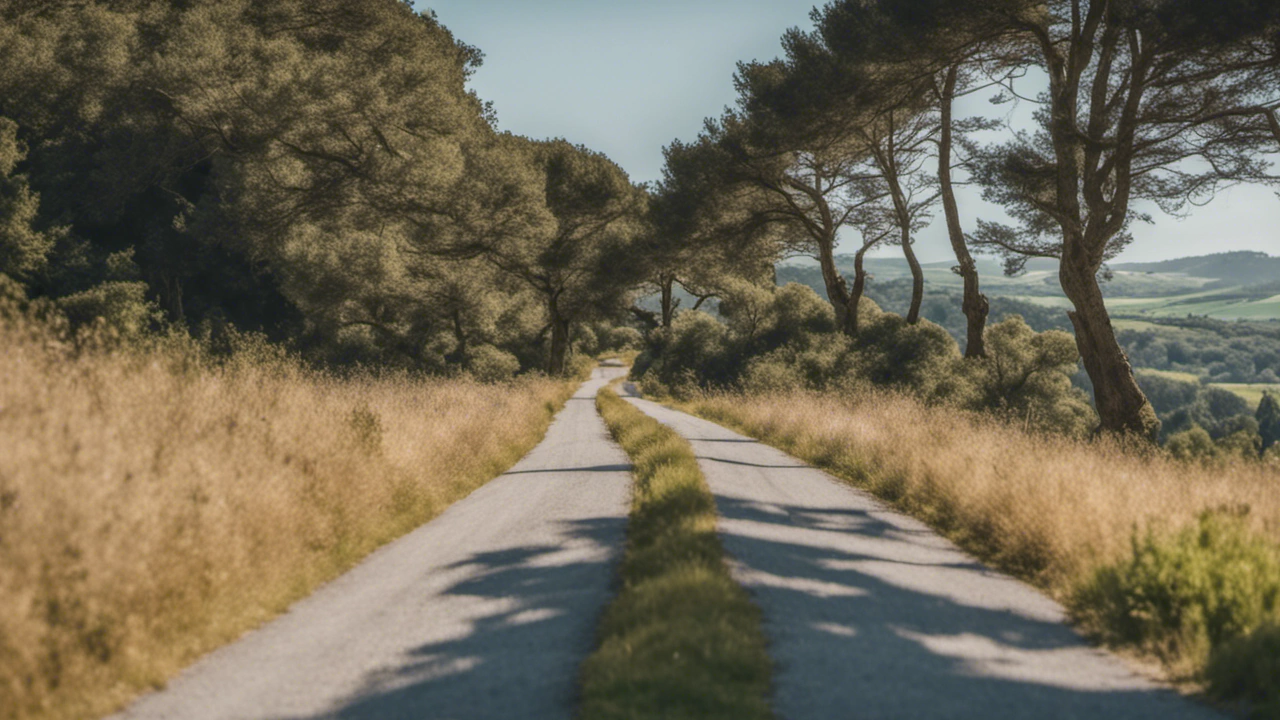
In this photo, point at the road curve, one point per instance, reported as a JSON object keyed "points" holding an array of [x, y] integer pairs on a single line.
{"points": [[872, 615], [485, 612]]}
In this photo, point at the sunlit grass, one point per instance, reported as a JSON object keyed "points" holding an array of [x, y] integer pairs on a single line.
{"points": [[154, 505], [682, 639], [1054, 511]]}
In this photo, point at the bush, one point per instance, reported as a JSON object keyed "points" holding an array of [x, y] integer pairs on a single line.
{"points": [[121, 307], [918, 358], [1026, 377], [487, 363], [1248, 668], [1184, 594], [1192, 444]]}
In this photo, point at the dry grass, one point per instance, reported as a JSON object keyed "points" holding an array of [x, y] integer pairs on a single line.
{"points": [[1057, 512], [154, 506], [1048, 508]]}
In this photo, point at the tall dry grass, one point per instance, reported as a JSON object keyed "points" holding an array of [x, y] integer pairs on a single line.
{"points": [[154, 505], [1057, 512], [1046, 507]]}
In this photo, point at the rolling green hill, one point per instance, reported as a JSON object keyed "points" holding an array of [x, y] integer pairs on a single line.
{"points": [[1225, 286]]}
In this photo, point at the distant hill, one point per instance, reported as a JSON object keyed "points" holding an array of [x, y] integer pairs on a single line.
{"points": [[1228, 286], [1230, 269]]}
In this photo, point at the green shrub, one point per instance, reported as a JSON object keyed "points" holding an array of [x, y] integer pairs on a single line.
{"points": [[1248, 668], [919, 358], [120, 306], [1192, 444], [1183, 595], [487, 363], [1026, 377], [1243, 444]]}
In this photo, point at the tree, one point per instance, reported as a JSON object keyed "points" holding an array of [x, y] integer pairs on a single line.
{"points": [[577, 262], [1268, 416], [24, 249], [921, 45], [1146, 101], [697, 238]]}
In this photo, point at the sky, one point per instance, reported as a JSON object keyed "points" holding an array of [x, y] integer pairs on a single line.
{"points": [[627, 78]]}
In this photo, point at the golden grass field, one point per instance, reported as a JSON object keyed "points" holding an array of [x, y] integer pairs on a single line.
{"points": [[1047, 509], [154, 505]]}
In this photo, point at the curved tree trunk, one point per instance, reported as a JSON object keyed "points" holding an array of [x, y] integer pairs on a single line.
{"points": [[855, 296], [668, 303], [837, 290], [917, 278], [1122, 406], [975, 305], [889, 166]]}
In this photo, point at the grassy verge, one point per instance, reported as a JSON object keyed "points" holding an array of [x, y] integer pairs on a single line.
{"points": [[154, 504], [1178, 562], [682, 639]]}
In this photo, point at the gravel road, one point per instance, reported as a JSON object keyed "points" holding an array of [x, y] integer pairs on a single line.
{"points": [[485, 612], [871, 615]]}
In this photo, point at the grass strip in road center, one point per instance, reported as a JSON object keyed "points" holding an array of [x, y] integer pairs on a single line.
{"points": [[681, 639]]}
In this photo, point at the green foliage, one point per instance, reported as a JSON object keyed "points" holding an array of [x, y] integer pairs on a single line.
{"points": [[489, 364], [1248, 668], [1268, 416], [1188, 594], [120, 306], [1026, 377], [787, 338], [681, 639], [1193, 443], [23, 249]]}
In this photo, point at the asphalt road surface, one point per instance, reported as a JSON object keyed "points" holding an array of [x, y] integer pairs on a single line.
{"points": [[871, 615], [485, 612]]}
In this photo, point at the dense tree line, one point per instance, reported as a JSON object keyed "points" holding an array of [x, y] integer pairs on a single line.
{"points": [[316, 171], [855, 132]]}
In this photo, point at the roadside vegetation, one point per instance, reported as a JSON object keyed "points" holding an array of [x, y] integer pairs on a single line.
{"points": [[682, 639], [158, 499], [1177, 560]]}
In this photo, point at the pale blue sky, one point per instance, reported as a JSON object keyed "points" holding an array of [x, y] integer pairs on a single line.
{"points": [[626, 78]]}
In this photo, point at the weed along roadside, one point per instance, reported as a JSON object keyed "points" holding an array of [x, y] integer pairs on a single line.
{"points": [[1177, 563], [681, 639]]}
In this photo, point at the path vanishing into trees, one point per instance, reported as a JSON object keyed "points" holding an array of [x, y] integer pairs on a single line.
{"points": [[488, 610]]}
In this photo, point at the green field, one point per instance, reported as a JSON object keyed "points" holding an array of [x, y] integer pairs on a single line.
{"points": [[1250, 392], [1171, 375]]}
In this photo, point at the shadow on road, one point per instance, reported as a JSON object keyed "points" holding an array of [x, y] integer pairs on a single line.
{"points": [[537, 600], [876, 629]]}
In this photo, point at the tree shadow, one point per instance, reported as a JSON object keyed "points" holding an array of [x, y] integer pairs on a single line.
{"points": [[520, 657], [900, 624]]}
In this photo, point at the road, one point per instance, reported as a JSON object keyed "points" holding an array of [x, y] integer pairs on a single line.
{"points": [[871, 615], [485, 612], [488, 611]]}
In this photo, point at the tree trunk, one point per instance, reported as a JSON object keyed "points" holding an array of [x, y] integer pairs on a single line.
{"points": [[975, 305], [917, 277], [889, 166], [850, 326], [668, 304], [837, 290], [1122, 406], [559, 342], [459, 354]]}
